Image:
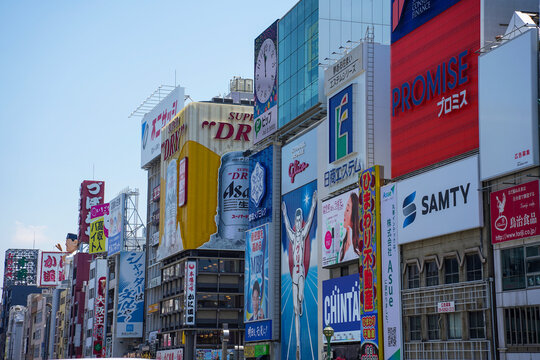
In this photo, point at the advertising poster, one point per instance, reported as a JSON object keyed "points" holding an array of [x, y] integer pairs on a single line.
{"points": [[21, 267], [256, 310], [176, 354], [190, 290], [391, 275], [154, 120], [51, 268], [130, 311], [116, 225], [340, 229], [370, 264], [341, 308], [260, 186], [266, 87], [98, 333], [99, 224], [515, 212], [299, 333], [441, 201], [211, 354], [434, 81], [207, 195], [91, 194]]}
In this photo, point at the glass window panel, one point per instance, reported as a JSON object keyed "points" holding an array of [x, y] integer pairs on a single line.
{"points": [[533, 265], [300, 78], [454, 326], [432, 274], [433, 327], [287, 21], [451, 271], [300, 12], [476, 325], [474, 267], [294, 40], [294, 62], [301, 34], [513, 269], [532, 250], [293, 16], [301, 56], [314, 92], [415, 328], [413, 277], [294, 106]]}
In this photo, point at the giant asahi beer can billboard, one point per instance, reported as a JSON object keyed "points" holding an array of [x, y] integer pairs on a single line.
{"points": [[204, 178]]}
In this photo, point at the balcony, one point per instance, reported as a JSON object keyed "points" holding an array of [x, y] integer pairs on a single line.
{"points": [[467, 296], [448, 350]]}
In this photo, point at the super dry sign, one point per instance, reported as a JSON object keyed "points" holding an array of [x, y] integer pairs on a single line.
{"points": [[434, 82]]}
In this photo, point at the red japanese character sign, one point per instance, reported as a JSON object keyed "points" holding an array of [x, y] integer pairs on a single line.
{"points": [[51, 268], [92, 194]]}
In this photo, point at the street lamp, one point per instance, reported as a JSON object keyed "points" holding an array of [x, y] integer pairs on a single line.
{"points": [[328, 332]]}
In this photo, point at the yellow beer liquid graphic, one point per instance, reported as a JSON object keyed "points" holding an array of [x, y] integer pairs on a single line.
{"points": [[202, 174]]}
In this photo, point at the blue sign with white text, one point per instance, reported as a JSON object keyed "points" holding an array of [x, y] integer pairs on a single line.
{"points": [[260, 187], [341, 307], [259, 330]]}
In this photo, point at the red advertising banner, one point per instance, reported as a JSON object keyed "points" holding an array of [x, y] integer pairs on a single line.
{"points": [[92, 194], [434, 81], [99, 318], [515, 212]]}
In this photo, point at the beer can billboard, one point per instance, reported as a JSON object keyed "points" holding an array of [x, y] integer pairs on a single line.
{"points": [[204, 178]]}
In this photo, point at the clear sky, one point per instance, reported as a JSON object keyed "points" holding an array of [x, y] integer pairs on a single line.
{"points": [[71, 72]]}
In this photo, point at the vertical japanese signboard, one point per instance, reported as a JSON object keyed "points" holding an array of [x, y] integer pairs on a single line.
{"points": [[130, 312], [190, 280], [92, 193], [258, 326], [98, 333], [515, 212], [116, 225], [99, 216], [51, 268], [390, 274], [370, 264]]}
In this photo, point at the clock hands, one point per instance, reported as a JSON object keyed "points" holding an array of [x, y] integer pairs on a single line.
{"points": [[264, 64]]}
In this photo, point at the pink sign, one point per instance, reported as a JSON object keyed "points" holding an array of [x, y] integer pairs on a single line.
{"points": [[515, 212], [101, 210], [92, 193]]}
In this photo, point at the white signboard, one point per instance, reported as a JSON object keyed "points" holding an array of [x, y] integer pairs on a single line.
{"points": [[446, 307], [153, 121], [390, 274], [343, 70], [176, 354], [340, 229], [442, 201], [51, 268], [190, 280], [508, 115]]}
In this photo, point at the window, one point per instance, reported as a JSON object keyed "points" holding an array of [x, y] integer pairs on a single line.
{"points": [[476, 325], [415, 328], [92, 273], [433, 327], [91, 293], [344, 270], [454, 326], [522, 325], [432, 274], [474, 267], [413, 276], [532, 265], [513, 269], [451, 271]]}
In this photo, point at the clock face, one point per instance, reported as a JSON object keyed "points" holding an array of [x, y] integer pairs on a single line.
{"points": [[265, 70]]}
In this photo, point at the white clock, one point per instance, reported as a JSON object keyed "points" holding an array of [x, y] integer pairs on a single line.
{"points": [[265, 70]]}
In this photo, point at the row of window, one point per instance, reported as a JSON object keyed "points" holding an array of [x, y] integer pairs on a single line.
{"points": [[476, 326], [204, 265], [450, 273], [522, 326], [520, 267]]}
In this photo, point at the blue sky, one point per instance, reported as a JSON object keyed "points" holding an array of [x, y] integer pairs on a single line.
{"points": [[71, 72]]}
